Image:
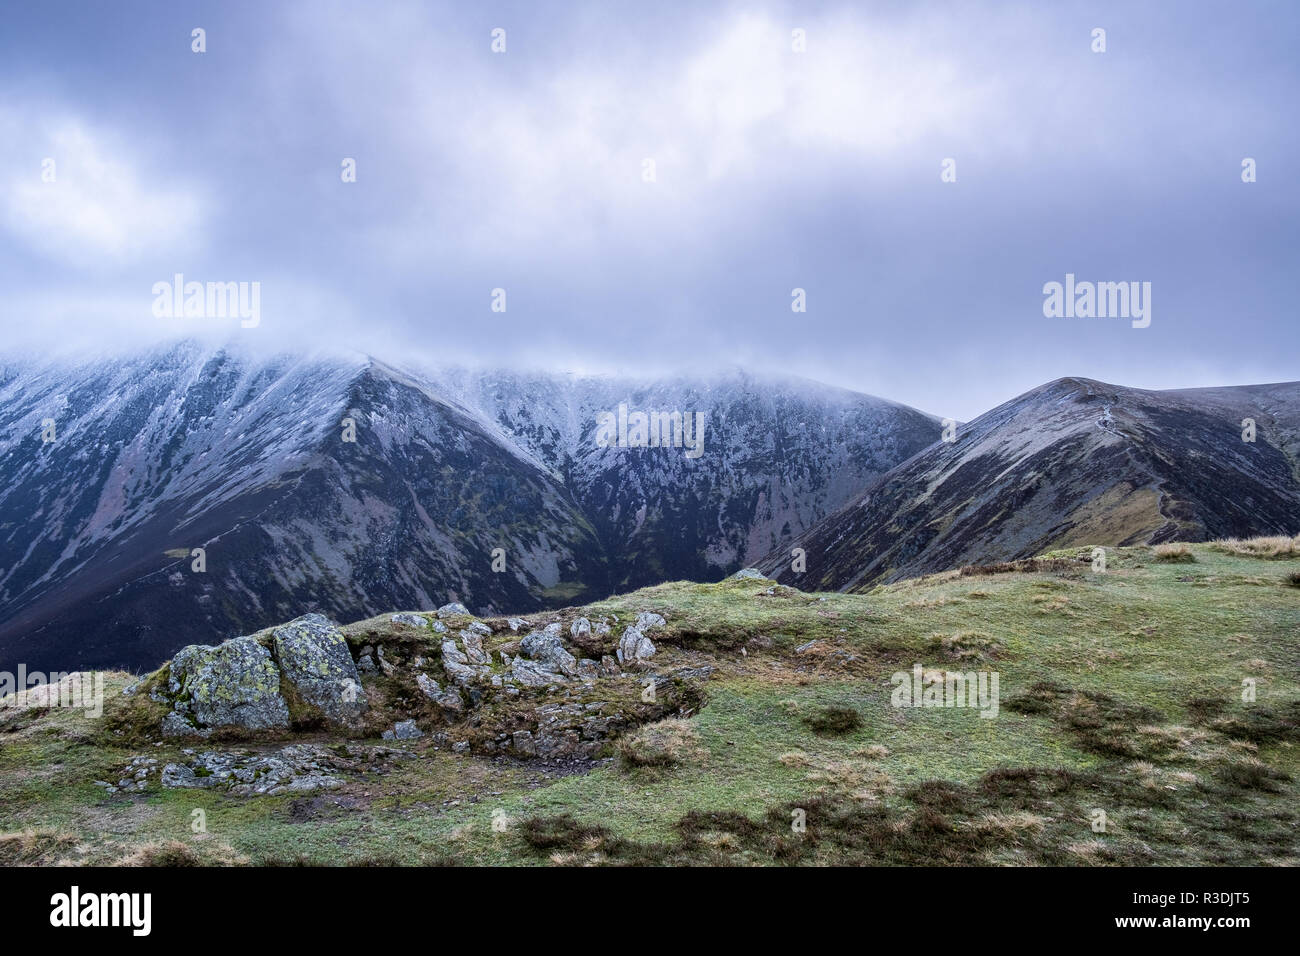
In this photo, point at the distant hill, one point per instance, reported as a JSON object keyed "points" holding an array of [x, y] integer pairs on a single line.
{"points": [[1073, 462]]}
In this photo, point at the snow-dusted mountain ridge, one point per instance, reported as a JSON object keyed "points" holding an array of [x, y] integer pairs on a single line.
{"points": [[113, 470]]}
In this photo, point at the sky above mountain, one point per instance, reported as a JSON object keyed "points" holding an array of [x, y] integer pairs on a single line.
{"points": [[774, 169]]}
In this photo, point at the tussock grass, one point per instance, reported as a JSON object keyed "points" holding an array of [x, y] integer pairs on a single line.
{"points": [[1268, 546], [834, 721], [35, 846], [1174, 553], [667, 743]]}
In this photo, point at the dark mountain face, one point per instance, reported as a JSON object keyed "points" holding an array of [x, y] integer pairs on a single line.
{"points": [[1075, 462], [486, 488]]}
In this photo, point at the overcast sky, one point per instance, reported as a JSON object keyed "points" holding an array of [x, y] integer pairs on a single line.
{"points": [[774, 169]]}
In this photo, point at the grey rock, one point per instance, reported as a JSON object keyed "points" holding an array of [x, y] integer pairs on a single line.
{"points": [[410, 619], [428, 686], [533, 673], [452, 609], [473, 643], [515, 623], [457, 664], [546, 648], [233, 685], [298, 768], [647, 620], [448, 699], [314, 658], [747, 574], [634, 646], [406, 730]]}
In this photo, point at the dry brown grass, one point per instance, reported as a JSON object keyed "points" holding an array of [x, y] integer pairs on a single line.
{"points": [[1174, 553], [35, 846], [171, 853], [668, 743], [1267, 546]]}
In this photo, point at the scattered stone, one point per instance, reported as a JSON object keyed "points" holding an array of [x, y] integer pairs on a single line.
{"points": [[296, 768], [647, 620], [403, 730], [452, 609]]}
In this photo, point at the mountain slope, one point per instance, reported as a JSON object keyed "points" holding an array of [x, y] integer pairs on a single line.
{"points": [[1072, 462], [779, 454]]}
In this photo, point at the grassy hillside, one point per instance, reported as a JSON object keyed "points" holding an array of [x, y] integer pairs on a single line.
{"points": [[1119, 691]]}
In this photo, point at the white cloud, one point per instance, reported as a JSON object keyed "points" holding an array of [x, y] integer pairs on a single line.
{"points": [[546, 158], [102, 209]]}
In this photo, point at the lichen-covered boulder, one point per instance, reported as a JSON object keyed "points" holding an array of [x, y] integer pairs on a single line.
{"points": [[234, 685], [314, 659], [452, 609]]}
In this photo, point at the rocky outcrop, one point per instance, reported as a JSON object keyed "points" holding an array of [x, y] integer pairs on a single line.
{"points": [[559, 692]]}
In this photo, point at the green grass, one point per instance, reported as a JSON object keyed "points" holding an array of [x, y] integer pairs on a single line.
{"points": [[1119, 691]]}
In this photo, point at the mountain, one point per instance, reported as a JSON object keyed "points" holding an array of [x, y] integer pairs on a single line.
{"points": [[1073, 462], [160, 452]]}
